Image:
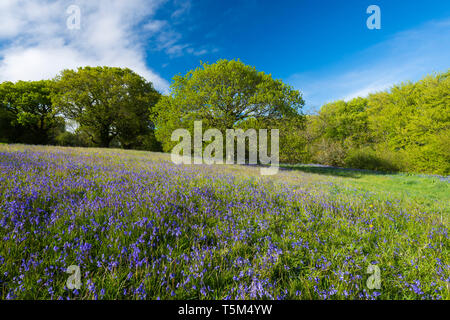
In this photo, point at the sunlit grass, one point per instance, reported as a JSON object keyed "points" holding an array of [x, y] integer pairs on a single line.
{"points": [[140, 227]]}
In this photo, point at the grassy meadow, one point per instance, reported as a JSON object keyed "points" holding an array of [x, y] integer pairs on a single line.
{"points": [[140, 227]]}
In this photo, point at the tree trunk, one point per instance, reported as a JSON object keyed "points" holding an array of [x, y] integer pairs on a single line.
{"points": [[105, 138]]}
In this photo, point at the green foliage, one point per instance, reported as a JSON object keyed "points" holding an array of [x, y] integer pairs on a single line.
{"points": [[366, 158], [222, 95], [71, 139], [433, 157], [415, 118], [329, 152], [406, 128], [292, 143], [345, 120], [6, 123], [27, 113], [108, 103]]}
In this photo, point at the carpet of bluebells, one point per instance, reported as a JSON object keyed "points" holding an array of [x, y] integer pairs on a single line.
{"points": [[140, 227]]}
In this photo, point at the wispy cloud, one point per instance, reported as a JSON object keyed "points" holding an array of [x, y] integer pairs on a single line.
{"points": [[408, 55], [165, 37], [183, 7], [154, 26], [35, 42], [199, 52]]}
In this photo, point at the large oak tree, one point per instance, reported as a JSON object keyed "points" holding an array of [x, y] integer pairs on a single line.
{"points": [[108, 103], [223, 95], [27, 114]]}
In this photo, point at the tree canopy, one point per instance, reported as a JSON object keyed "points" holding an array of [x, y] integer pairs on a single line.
{"points": [[223, 95], [27, 112], [405, 128], [108, 104]]}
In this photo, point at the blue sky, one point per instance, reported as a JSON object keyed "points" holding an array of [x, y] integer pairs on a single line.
{"points": [[323, 48]]}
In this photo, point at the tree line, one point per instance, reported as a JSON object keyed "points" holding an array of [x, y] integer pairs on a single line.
{"points": [[406, 128], [109, 107]]}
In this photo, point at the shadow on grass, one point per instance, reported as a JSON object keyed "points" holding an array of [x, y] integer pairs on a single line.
{"points": [[333, 171]]}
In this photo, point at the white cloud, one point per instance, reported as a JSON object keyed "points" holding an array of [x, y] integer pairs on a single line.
{"points": [[408, 55], [197, 52], [36, 44], [176, 50], [167, 39], [185, 6], [165, 36], [155, 26]]}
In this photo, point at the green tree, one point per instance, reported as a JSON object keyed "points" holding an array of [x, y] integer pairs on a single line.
{"points": [[7, 116], [413, 119], [28, 111], [405, 128], [223, 95], [345, 120], [108, 104]]}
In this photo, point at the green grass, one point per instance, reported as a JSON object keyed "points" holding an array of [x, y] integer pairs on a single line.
{"points": [[431, 193], [141, 228]]}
